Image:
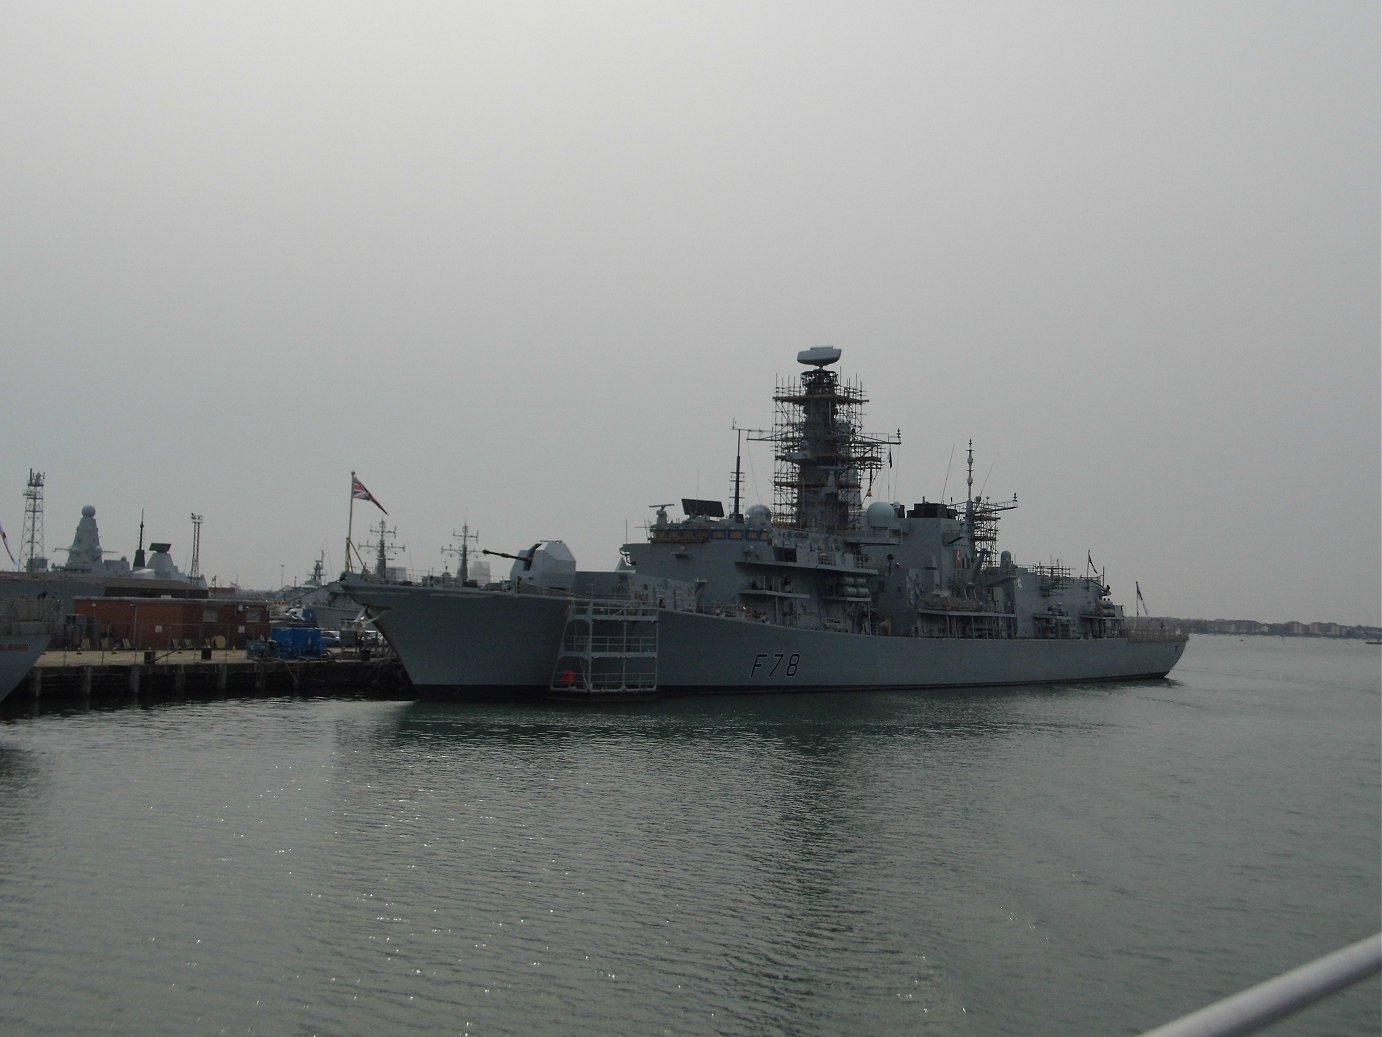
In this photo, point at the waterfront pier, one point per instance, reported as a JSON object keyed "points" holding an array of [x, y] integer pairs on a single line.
{"points": [[75, 678]]}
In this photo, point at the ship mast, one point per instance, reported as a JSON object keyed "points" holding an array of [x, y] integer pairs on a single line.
{"points": [[139, 551], [31, 543], [981, 520], [969, 503], [385, 550], [196, 569], [821, 448], [465, 536], [738, 515]]}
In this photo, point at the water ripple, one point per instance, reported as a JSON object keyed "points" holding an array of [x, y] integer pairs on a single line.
{"points": [[1031, 861]]}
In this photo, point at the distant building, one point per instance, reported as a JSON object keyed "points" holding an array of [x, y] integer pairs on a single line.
{"points": [[165, 624]]}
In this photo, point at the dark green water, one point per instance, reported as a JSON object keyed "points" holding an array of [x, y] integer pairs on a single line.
{"points": [[1081, 860]]}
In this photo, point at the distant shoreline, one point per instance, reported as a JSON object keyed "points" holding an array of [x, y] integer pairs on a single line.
{"points": [[1245, 627]]}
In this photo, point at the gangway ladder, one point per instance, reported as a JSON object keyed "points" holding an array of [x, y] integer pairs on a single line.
{"points": [[608, 651]]}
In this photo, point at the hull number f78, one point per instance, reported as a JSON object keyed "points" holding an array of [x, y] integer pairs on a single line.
{"points": [[770, 665]]}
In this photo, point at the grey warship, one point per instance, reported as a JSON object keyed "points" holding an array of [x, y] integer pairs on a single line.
{"points": [[822, 591]]}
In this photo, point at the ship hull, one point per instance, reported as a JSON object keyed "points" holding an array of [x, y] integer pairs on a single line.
{"points": [[462, 644], [466, 643], [18, 653], [698, 652]]}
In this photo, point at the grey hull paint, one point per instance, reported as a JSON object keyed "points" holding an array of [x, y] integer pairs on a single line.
{"points": [[468, 639], [494, 645], [708, 652], [18, 653]]}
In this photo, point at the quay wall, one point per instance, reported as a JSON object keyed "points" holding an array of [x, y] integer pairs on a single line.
{"points": [[66, 678]]}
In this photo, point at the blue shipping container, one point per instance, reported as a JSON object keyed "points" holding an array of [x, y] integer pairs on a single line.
{"points": [[290, 642]]}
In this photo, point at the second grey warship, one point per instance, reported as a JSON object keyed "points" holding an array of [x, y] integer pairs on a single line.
{"points": [[819, 592], [89, 574]]}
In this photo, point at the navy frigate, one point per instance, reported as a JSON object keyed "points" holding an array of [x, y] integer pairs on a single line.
{"points": [[824, 590]]}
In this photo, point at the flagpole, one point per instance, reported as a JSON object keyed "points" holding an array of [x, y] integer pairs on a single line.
{"points": [[357, 489], [350, 522]]}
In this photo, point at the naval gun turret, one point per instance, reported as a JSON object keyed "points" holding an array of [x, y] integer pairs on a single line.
{"points": [[548, 564]]}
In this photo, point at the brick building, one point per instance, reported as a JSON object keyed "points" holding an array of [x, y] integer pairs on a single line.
{"points": [[167, 623]]}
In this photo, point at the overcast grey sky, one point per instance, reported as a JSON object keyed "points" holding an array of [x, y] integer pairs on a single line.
{"points": [[522, 265]]}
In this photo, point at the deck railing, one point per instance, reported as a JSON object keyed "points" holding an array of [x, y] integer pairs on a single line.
{"points": [[1268, 1002]]}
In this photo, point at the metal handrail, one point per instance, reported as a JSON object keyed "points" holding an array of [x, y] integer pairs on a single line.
{"points": [[1277, 998]]}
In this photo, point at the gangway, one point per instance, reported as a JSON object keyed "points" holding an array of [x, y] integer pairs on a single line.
{"points": [[608, 651]]}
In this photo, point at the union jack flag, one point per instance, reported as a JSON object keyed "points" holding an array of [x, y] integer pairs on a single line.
{"points": [[358, 492]]}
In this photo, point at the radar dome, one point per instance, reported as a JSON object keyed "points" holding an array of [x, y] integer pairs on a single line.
{"points": [[88, 511], [759, 514], [880, 515]]}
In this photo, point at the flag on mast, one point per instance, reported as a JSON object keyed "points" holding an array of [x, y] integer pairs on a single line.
{"points": [[358, 492]]}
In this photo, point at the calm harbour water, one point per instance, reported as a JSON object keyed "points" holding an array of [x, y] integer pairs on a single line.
{"points": [[1077, 860]]}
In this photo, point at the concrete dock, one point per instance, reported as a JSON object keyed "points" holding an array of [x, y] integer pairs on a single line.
{"points": [[73, 678]]}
